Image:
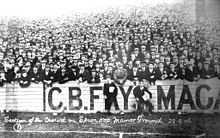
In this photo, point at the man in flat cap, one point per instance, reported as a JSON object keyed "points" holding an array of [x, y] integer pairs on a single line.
{"points": [[151, 72], [35, 75], [24, 80], [47, 76], [94, 77], [207, 72], [172, 73], [2, 77], [217, 69], [161, 72], [134, 75], [120, 75], [83, 74], [143, 71]]}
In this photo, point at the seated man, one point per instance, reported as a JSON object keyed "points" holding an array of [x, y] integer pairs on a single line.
{"points": [[24, 80], [63, 76], [35, 75], [83, 74], [47, 76], [94, 77], [161, 72], [143, 96], [172, 73], [134, 75], [207, 72], [2, 78], [217, 69]]}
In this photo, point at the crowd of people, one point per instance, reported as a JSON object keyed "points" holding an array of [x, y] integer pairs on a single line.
{"points": [[160, 43]]}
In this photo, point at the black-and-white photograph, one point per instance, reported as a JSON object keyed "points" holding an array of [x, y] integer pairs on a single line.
{"points": [[110, 69]]}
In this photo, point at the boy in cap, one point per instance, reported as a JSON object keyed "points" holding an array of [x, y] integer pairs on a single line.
{"points": [[143, 96]]}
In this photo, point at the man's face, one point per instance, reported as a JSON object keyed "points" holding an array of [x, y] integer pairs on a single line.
{"points": [[82, 67], [141, 84], [93, 73], [35, 69], [135, 69], [216, 66], [143, 64], [161, 65], [2, 74], [206, 66], [151, 66], [172, 66]]}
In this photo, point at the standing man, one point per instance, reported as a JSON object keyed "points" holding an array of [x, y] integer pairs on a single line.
{"points": [[143, 96], [110, 93]]}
